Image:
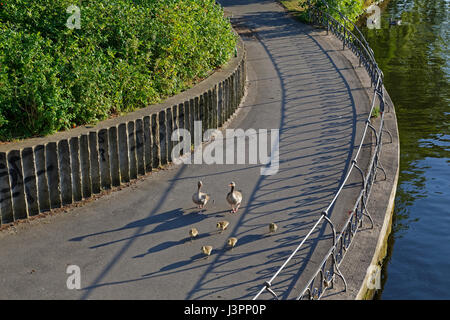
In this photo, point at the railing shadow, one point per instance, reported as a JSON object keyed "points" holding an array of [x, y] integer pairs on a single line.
{"points": [[328, 143]]}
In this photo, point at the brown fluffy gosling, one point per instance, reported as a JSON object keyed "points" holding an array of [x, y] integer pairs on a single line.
{"points": [[273, 227], [222, 225], [207, 250], [193, 233], [232, 242]]}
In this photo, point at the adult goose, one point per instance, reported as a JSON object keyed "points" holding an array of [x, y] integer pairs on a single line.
{"points": [[393, 22], [200, 198], [234, 198]]}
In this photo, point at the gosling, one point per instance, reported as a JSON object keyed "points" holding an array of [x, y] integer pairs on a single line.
{"points": [[222, 225], [272, 227], [193, 233], [207, 250], [232, 242]]}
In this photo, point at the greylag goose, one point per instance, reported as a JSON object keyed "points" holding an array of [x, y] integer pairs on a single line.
{"points": [[394, 22], [200, 198], [234, 198]]}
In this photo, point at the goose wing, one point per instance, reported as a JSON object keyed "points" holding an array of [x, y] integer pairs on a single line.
{"points": [[200, 198]]}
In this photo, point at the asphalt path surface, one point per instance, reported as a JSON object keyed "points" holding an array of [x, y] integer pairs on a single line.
{"points": [[134, 243]]}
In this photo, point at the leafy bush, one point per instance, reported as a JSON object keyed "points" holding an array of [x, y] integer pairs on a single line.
{"points": [[126, 55], [350, 8]]}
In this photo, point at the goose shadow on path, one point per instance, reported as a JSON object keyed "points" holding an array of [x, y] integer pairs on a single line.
{"points": [[164, 221]]}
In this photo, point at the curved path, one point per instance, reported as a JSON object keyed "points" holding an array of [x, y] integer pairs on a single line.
{"points": [[131, 244]]}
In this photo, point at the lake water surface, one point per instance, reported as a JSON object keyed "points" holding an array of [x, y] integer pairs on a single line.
{"points": [[414, 57]]}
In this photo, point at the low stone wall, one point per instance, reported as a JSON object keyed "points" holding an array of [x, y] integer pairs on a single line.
{"points": [[37, 175]]}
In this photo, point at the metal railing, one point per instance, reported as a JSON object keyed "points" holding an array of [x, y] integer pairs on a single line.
{"points": [[325, 275]]}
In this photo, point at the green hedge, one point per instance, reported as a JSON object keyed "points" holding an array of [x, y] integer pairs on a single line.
{"points": [[350, 8], [126, 55]]}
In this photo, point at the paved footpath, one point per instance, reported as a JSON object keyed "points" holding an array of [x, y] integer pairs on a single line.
{"points": [[131, 244]]}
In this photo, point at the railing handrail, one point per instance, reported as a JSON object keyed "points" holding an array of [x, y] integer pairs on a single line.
{"points": [[365, 191], [362, 41], [354, 26]]}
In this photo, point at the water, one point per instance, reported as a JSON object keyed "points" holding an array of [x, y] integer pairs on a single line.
{"points": [[414, 57]]}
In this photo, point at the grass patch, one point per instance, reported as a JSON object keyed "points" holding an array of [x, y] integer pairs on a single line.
{"points": [[376, 112], [298, 8], [294, 5]]}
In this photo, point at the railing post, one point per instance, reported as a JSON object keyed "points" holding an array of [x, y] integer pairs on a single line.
{"points": [[374, 131], [324, 214], [366, 213], [343, 41], [309, 11]]}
